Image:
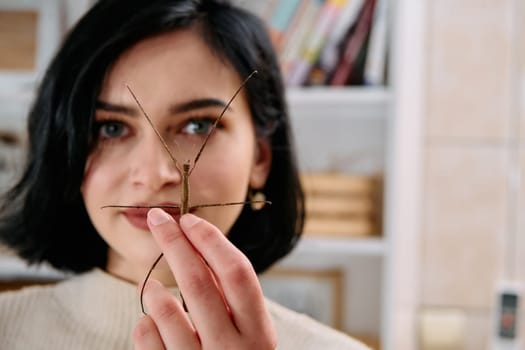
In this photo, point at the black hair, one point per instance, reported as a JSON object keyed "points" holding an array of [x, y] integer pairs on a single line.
{"points": [[43, 217]]}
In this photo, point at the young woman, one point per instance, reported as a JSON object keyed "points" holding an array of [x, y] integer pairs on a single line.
{"points": [[90, 146]]}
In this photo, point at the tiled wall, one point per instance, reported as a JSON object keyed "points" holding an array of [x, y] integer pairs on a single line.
{"points": [[473, 208]]}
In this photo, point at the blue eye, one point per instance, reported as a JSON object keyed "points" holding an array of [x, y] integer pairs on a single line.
{"points": [[198, 126], [112, 129]]}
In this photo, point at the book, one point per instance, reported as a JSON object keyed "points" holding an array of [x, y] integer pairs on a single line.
{"points": [[329, 14], [356, 76], [374, 70], [294, 40], [281, 18], [329, 56], [353, 46]]}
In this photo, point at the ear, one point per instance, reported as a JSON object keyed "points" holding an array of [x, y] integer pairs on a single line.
{"points": [[262, 163]]}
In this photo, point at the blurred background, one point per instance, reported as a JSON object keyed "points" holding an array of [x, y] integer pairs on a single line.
{"points": [[410, 126]]}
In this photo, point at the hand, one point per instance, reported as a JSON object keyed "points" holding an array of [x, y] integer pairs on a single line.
{"points": [[219, 286]]}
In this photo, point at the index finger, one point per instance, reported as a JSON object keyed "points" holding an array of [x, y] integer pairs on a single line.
{"points": [[234, 272], [202, 295]]}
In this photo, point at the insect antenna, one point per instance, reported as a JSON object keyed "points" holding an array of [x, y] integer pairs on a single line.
{"points": [[164, 144], [214, 126]]}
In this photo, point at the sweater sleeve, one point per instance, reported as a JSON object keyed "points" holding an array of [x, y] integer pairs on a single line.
{"points": [[299, 331]]}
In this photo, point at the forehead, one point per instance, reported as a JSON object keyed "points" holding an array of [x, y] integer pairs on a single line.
{"points": [[175, 63]]}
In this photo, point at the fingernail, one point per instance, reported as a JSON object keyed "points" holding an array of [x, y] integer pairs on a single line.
{"points": [[188, 220], [158, 216]]}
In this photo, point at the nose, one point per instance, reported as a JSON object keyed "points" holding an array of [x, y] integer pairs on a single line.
{"points": [[152, 166]]}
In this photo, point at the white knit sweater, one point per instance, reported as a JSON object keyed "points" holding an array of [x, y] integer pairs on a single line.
{"points": [[98, 311]]}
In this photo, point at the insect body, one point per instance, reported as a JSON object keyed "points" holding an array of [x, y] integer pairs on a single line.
{"points": [[185, 171]]}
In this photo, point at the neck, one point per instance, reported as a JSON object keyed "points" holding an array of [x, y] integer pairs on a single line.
{"points": [[137, 274]]}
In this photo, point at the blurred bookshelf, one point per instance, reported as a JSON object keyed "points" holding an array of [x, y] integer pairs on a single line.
{"points": [[328, 42], [334, 55]]}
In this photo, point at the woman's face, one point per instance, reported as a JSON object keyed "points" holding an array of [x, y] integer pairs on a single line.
{"points": [[183, 87]]}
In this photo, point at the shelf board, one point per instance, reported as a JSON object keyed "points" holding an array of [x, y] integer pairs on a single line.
{"points": [[349, 102], [316, 253], [17, 86], [15, 108], [341, 246], [13, 268]]}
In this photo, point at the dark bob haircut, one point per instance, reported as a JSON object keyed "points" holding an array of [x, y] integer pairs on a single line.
{"points": [[43, 217]]}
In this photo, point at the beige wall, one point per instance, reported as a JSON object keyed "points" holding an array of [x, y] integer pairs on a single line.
{"points": [[474, 151]]}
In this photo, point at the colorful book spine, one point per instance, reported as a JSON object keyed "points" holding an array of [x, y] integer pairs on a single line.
{"points": [[374, 72], [281, 19], [315, 41], [330, 55], [298, 31], [353, 46]]}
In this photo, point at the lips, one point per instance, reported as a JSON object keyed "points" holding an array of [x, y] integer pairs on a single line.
{"points": [[137, 215]]}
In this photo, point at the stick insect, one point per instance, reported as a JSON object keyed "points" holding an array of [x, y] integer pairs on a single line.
{"points": [[185, 171]]}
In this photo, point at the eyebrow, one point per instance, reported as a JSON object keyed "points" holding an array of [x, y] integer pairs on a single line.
{"points": [[112, 107], [176, 108]]}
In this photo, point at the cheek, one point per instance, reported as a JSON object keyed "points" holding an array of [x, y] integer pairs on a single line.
{"points": [[91, 189], [222, 183], [100, 176], [233, 167], [222, 177], [100, 187]]}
